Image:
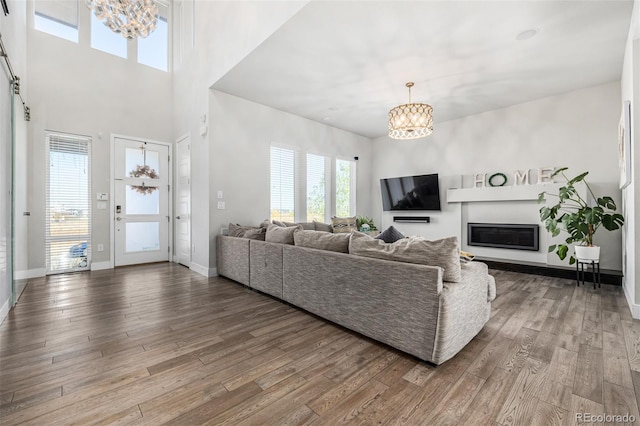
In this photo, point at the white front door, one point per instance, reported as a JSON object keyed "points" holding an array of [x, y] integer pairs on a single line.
{"points": [[183, 202], [141, 202]]}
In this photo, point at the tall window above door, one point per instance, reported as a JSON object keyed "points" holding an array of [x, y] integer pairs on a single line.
{"points": [[153, 50], [102, 38], [57, 17]]}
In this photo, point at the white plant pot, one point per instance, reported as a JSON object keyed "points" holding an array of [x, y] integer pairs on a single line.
{"points": [[587, 253]]}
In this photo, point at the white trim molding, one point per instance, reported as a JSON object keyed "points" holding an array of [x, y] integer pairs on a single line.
{"points": [[635, 309], [203, 270], [98, 266], [29, 273]]}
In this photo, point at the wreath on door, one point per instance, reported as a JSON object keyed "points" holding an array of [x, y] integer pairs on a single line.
{"points": [[143, 172]]}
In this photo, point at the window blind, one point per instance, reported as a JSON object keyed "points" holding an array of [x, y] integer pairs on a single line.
{"points": [[283, 184], [62, 11], [68, 203], [316, 184]]}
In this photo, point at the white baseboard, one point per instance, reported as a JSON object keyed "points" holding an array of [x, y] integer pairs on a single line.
{"points": [[4, 311], [97, 266], [635, 309], [29, 273], [203, 270]]}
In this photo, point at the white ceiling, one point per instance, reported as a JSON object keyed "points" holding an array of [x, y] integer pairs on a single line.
{"points": [[346, 63]]}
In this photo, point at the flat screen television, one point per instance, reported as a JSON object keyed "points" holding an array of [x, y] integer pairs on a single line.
{"points": [[411, 193]]}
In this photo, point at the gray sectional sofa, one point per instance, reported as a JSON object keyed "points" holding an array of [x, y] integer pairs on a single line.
{"points": [[407, 306]]}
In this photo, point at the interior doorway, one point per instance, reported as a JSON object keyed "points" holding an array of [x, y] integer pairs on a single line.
{"points": [[183, 202]]}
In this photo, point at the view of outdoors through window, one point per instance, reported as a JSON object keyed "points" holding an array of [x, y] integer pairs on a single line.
{"points": [[285, 187], [68, 205], [60, 19], [344, 206], [316, 193]]}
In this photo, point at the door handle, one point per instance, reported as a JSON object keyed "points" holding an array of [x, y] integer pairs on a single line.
{"points": [[118, 219], [178, 217]]}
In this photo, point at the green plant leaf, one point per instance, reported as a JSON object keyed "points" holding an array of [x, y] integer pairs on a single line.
{"points": [[612, 222], [572, 260], [607, 202], [552, 248], [558, 171], [577, 179], [562, 251], [541, 197], [545, 212]]}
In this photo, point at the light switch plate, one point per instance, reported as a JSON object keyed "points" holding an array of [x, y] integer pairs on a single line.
{"points": [[101, 205], [220, 195], [220, 205], [102, 196]]}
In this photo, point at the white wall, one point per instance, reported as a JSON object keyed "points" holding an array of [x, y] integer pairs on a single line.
{"points": [[576, 129], [13, 30], [223, 33], [630, 87], [242, 134], [79, 90]]}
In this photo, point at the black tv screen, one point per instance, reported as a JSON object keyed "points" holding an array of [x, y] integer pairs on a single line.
{"points": [[411, 193]]}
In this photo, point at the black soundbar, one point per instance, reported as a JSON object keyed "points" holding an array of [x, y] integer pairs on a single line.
{"points": [[412, 219]]}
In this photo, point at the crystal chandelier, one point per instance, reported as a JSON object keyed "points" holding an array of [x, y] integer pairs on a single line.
{"points": [[410, 121], [131, 18]]}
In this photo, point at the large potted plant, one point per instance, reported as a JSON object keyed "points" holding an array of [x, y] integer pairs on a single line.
{"points": [[580, 219]]}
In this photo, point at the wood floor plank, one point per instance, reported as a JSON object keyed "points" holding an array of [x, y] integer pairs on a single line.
{"points": [[521, 402], [589, 377], [620, 401], [154, 344], [631, 331]]}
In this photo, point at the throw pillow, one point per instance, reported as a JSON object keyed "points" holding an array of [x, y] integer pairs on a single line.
{"points": [[278, 234], [255, 234], [390, 235], [279, 223], [322, 240], [305, 225], [325, 227], [443, 253], [236, 230], [344, 224]]}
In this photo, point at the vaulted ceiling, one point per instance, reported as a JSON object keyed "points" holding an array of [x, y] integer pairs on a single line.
{"points": [[345, 63]]}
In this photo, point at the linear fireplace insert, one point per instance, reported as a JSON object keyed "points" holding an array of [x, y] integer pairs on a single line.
{"points": [[502, 235]]}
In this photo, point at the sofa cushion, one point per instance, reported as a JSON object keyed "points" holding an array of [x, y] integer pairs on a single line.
{"points": [[278, 234], [344, 224], [278, 223], [390, 235], [443, 253], [324, 227], [322, 240], [309, 226], [236, 230]]}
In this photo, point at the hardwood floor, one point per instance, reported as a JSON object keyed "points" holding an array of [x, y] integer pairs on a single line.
{"points": [[157, 343]]}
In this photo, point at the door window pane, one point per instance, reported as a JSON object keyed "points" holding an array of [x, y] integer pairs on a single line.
{"points": [[142, 236], [142, 199], [142, 163]]}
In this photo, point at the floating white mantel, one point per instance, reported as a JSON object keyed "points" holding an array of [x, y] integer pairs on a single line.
{"points": [[498, 193]]}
